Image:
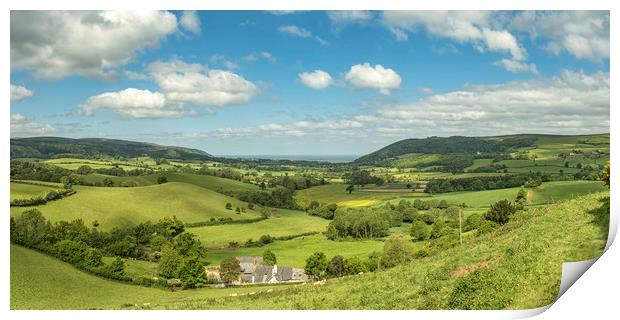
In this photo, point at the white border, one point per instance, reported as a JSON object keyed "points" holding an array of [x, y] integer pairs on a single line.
{"points": [[593, 295]]}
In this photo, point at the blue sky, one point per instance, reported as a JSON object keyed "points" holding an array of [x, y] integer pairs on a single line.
{"points": [[347, 82]]}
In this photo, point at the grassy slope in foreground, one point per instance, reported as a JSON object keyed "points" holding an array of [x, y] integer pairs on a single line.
{"points": [[520, 264], [118, 206], [518, 267], [39, 281]]}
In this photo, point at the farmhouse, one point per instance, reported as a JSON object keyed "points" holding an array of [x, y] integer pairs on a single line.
{"points": [[253, 271]]}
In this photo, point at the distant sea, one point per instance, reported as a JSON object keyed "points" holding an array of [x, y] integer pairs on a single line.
{"points": [[336, 158]]}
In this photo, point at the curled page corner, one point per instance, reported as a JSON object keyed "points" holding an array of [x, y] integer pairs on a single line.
{"points": [[571, 271]]}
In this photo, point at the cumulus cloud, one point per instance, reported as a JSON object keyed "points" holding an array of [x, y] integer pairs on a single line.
{"points": [[20, 93], [194, 83], [365, 76], [301, 33], [317, 80], [190, 21], [221, 59], [583, 34], [179, 83], [570, 103], [56, 44], [479, 28], [349, 16], [134, 103]]}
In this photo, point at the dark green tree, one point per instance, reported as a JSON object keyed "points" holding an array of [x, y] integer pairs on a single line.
{"points": [[169, 262], [420, 231], [230, 269], [269, 258], [192, 273], [350, 188], [336, 266], [316, 264], [500, 212]]}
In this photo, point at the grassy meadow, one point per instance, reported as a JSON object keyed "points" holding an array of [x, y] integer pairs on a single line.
{"points": [[115, 207], [27, 191]]}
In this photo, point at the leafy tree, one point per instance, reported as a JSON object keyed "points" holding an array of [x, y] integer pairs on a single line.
{"points": [[230, 269], [71, 251], [521, 199], [396, 250], [117, 267], [316, 264], [269, 258], [162, 180], [228, 206], [30, 228], [420, 231], [238, 210], [192, 273], [169, 262], [336, 267], [93, 258], [500, 212], [187, 244], [606, 174], [85, 169], [452, 213], [350, 188], [408, 186]]}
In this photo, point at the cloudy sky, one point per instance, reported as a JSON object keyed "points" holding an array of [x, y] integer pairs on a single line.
{"points": [[336, 82]]}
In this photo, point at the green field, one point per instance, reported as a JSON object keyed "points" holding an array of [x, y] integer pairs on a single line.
{"points": [[548, 192], [113, 207], [39, 281], [336, 193], [285, 223], [27, 191], [520, 262], [294, 252]]}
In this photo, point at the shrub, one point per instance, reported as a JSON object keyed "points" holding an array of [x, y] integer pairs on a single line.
{"points": [[162, 180], [228, 206], [374, 261], [396, 250], [354, 265], [71, 251], [265, 239], [500, 212], [420, 231], [482, 289], [316, 264], [486, 226], [473, 222], [335, 268]]}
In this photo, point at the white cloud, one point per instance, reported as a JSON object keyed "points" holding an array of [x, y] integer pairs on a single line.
{"points": [[583, 34], [194, 83], [298, 128], [134, 103], [349, 16], [478, 28], [260, 55], [22, 126], [190, 21], [516, 66], [19, 93], [318, 79], [56, 44], [301, 32], [364, 76], [570, 103], [425, 90], [221, 59], [296, 31], [283, 12]]}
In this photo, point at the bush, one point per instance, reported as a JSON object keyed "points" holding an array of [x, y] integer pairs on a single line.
{"points": [[71, 251], [486, 226], [500, 212], [162, 180], [482, 289], [396, 250], [354, 265], [473, 222], [316, 264], [420, 231], [336, 267], [228, 206]]}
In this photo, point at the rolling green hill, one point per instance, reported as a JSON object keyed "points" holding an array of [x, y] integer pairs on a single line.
{"points": [[48, 147], [516, 267], [27, 191], [113, 207]]}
